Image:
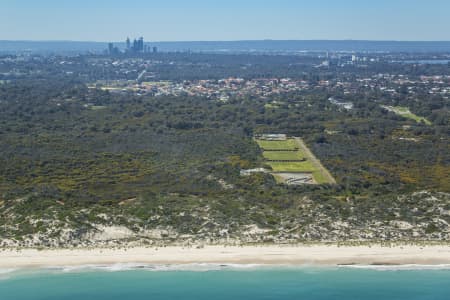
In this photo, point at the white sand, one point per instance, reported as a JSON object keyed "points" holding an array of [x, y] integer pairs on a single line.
{"points": [[295, 255]]}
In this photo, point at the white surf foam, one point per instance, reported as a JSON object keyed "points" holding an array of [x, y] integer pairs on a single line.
{"points": [[205, 267], [6, 273], [409, 267], [196, 267]]}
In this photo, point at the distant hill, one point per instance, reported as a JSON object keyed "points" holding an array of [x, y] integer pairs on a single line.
{"points": [[75, 47]]}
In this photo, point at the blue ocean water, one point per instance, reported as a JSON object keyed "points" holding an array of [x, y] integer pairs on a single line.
{"points": [[226, 283]]}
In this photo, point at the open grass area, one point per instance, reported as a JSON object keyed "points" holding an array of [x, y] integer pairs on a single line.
{"points": [[406, 113], [98, 107], [274, 105], [320, 177], [270, 105], [288, 144], [283, 155], [275, 160], [304, 166]]}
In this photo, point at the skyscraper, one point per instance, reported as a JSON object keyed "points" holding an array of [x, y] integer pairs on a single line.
{"points": [[110, 48], [137, 46], [140, 45], [113, 50]]}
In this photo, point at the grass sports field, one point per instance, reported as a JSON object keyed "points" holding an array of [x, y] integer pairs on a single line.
{"points": [[283, 155], [288, 144], [304, 166], [310, 165]]}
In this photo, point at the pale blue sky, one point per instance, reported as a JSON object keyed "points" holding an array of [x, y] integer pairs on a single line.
{"points": [[176, 20]]}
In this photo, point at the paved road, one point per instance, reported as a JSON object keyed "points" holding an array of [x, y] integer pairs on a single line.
{"points": [[314, 160]]}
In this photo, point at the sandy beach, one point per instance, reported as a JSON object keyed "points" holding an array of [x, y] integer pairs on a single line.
{"points": [[277, 255]]}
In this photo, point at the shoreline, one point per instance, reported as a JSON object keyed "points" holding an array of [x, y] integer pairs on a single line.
{"points": [[320, 255]]}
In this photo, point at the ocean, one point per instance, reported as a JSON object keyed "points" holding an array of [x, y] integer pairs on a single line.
{"points": [[133, 282]]}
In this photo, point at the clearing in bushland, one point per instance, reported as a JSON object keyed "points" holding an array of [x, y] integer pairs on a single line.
{"points": [[293, 163], [406, 113]]}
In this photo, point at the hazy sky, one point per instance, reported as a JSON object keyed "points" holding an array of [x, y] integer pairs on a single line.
{"points": [[180, 20]]}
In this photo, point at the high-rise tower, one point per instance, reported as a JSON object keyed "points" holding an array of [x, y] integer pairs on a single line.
{"points": [[141, 44]]}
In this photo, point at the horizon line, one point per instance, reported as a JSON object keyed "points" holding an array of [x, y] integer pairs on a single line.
{"points": [[240, 40]]}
